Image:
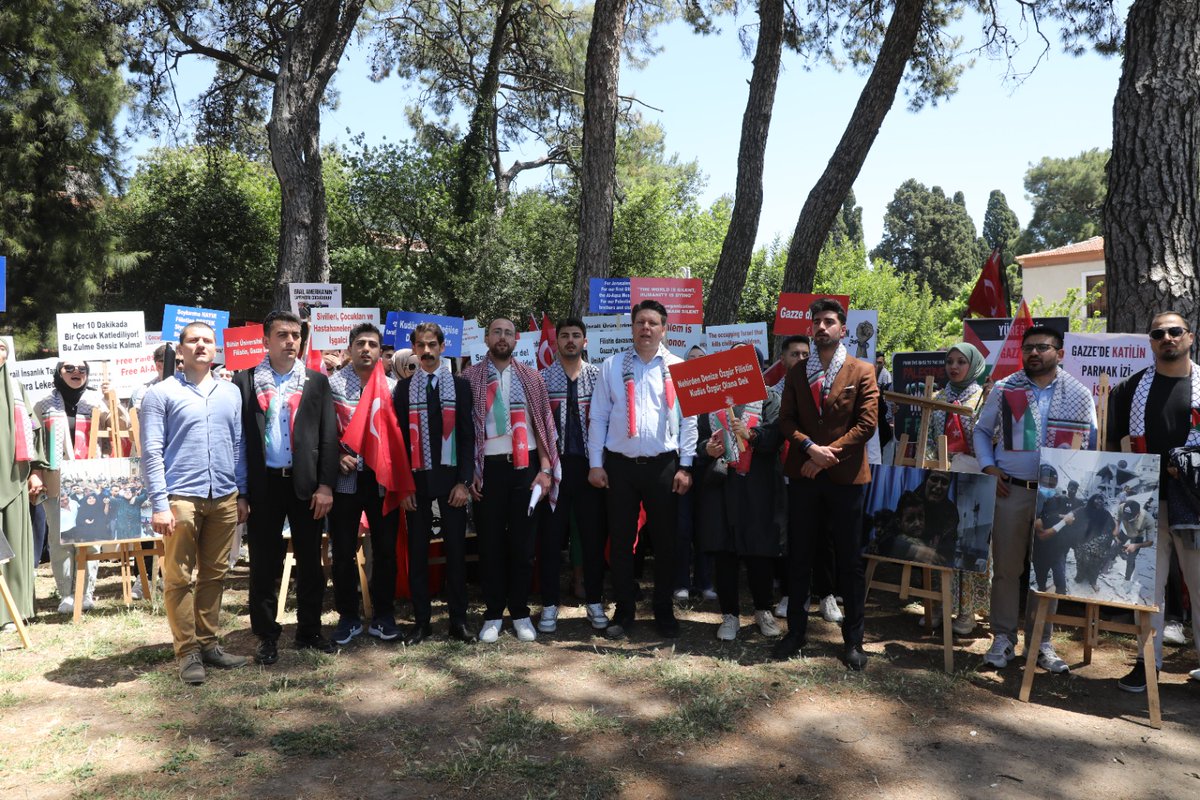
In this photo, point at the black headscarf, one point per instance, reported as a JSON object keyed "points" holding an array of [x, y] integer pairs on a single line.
{"points": [[70, 396]]}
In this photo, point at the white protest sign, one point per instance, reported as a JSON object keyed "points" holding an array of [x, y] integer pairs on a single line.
{"points": [[100, 336], [37, 376], [1087, 356], [126, 372], [472, 334], [862, 332], [314, 295], [608, 334], [525, 350], [153, 337], [723, 337], [331, 326], [682, 338]]}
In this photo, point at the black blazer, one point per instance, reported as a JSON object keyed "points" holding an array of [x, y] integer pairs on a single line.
{"points": [[315, 449], [441, 479]]}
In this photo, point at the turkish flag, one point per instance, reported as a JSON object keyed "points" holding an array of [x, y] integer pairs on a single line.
{"points": [[775, 373], [1009, 360], [533, 326], [987, 298], [315, 361], [374, 434], [547, 346]]}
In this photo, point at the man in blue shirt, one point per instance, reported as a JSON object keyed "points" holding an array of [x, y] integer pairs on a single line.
{"points": [[191, 458]]}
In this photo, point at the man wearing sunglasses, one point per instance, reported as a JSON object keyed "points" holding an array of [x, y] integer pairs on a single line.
{"points": [[1155, 408], [1040, 406]]}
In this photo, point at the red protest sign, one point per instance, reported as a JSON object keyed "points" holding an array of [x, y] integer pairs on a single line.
{"points": [[710, 383], [682, 297], [244, 347], [791, 314]]}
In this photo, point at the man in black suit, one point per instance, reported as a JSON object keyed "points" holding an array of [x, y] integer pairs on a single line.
{"points": [[290, 439], [433, 408]]}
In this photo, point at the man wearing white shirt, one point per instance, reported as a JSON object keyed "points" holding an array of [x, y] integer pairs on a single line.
{"points": [[640, 448]]}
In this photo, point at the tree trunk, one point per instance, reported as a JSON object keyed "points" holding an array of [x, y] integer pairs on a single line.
{"points": [[738, 248], [1152, 212], [598, 177], [825, 199]]}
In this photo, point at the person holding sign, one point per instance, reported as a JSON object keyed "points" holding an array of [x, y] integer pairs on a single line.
{"points": [[510, 400], [192, 463], [828, 413], [641, 448], [291, 450], [1159, 410], [1039, 406]]}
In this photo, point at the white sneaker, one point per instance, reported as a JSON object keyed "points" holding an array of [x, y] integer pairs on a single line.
{"points": [[136, 591], [963, 624], [549, 621], [88, 602], [728, 629], [766, 623], [1001, 652], [67, 606], [596, 616], [1194, 675], [681, 595], [830, 611], [1173, 633], [490, 631], [1048, 660], [781, 608], [524, 629], [708, 594]]}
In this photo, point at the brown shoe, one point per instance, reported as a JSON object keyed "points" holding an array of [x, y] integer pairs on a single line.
{"points": [[216, 657], [191, 669]]}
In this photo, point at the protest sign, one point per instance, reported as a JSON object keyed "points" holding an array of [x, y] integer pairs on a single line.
{"points": [[524, 351], [406, 321], [791, 312], [608, 335], [472, 334], [862, 332], [153, 337], [97, 336], [723, 337], [314, 295], [36, 375], [710, 383], [126, 372], [989, 334], [682, 297], [609, 295], [244, 347], [3, 284], [331, 326], [909, 371], [682, 338], [176, 318], [1087, 356]]}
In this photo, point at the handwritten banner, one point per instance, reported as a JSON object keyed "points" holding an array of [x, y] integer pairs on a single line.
{"points": [[791, 312], [710, 383]]}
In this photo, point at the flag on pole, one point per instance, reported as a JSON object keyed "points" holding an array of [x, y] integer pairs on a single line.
{"points": [[1009, 360], [547, 346], [375, 435], [775, 373], [987, 298]]}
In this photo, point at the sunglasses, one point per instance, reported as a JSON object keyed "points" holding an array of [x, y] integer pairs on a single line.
{"points": [[71, 369], [1175, 331], [1040, 347]]}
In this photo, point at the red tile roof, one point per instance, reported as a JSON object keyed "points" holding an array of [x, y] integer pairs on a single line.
{"points": [[1088, 250]]}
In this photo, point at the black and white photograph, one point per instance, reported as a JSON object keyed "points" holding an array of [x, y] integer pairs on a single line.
{"points": [[103, 500], [1095, 531], [931, 516]]}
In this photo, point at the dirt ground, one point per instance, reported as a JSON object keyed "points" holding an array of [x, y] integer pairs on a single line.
{"points": [[97, 711]]}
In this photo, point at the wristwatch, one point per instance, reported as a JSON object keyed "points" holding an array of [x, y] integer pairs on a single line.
{"points": [[547, 471]]}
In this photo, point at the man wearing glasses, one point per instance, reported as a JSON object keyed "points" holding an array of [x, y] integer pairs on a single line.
{"points": [[1155, 408], [1040, 406]]}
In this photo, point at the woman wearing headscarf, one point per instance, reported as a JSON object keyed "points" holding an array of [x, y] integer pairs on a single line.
{"points": [[66, 418], [964, 367], [404, 364], [20, 455]]}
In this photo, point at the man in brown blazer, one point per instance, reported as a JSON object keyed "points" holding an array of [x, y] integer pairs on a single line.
{"points": [[829, 410]]}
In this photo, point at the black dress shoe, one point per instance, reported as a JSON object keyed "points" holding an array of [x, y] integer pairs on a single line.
{"points": [[418, 634], [856, 657], [786, 648], [460, 632], [317, 642], [267, 652], [667, 627]]}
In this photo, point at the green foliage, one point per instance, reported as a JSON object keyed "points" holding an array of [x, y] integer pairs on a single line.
{"points": [[1068, 200], [1074, 306], [1000, 226], [847, 226]]}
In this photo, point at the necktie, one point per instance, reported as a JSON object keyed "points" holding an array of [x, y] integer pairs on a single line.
{"points": [[430, 391]]}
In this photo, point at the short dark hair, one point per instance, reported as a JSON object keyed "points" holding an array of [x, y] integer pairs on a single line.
{"points": [[571, 322], [827, 304], [427, 327], [278, 316], [361, 328], [649, 305], [1170, 313], [798, 338], [195, 324], [160, 352], [1043, 330]]}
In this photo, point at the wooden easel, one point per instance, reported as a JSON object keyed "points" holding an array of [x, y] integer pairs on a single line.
{"points": [[127, 550], [927, 405], [289, 561], [114, 433], [13, 613]]}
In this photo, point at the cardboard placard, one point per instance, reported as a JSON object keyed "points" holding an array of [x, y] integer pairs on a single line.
{"points": [[682, 297], [404, 322], [989, 334], [99, 335], [331, 326], [244, 347], [127, 372], [710, 383], [176, 318], [862, 332], [608, 335], [609, 295], [791, 312], [909, 371], [525, 350], [723, 337], [305, 296], [682, 338], [1087, 356], [4, 284], [36, 375]]}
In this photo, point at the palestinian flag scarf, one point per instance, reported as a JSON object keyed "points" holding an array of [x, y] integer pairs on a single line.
{"points": [[674, 417], [1137, 411], [62, 443], [421, 454], [735, 456], [271, 399], [506, 416], [1071, 408]]}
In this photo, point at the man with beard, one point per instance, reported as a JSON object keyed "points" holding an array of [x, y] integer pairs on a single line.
{"points": [[570, 382], [1039, 406], [510, 402]]}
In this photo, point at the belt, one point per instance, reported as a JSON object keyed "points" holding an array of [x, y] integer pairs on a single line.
{"points": [[280, 472], [507, 458], [656, 459], [1021, 483]]}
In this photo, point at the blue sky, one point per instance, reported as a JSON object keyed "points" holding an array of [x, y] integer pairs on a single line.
{"points": [[982, 138]]}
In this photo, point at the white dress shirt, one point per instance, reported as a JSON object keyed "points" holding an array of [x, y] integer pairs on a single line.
{"points": [[609, 424]]}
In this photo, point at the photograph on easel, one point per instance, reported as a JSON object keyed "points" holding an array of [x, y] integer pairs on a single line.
{"points": [[103, 500], [1096, 526], [931, 516]]}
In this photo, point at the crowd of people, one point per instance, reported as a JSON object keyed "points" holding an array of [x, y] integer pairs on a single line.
{"points": [[595, 460]]}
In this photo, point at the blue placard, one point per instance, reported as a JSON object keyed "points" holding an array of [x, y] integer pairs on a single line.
{"points": [[609, 296], [3, 284], [176, 318], [403, 322], [390, 327]]}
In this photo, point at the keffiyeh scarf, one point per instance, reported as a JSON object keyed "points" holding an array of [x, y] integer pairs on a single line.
{"points": [[24, 423], [957, 427], [421, 454], [736, 456], [271, 399], [674, 416], [1137, 411], [558, 384], [820, 379], [62, 443], [1071, 410]]}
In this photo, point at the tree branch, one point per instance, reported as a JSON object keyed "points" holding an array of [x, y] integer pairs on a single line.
{"points": [[197, 47]]}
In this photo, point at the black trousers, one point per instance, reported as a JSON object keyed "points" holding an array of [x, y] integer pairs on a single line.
{"points": [[506, 533], [454, 535], [813, 504], [759, 570], [264, 537], [824, 577], [579, 498], [644, 482], [343, 542]]}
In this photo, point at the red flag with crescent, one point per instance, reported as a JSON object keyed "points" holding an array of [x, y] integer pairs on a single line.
{"points": [[547, 345], [987, 298], [375, 435]]}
